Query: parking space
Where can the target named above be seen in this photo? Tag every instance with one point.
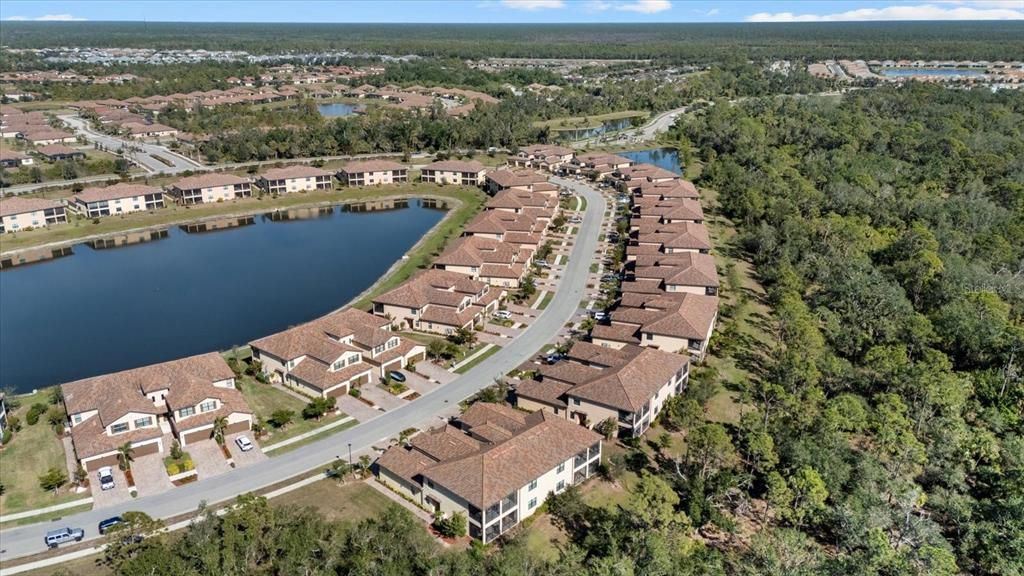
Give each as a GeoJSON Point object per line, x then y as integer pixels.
{"type": "Point", "coordinates": [418, 383]}
{"type": "Point", "coordinates": [116, 495]}
{"type": "Point", "coordinates": [357, 409]}
{"type": "Point", "coordinates": [150, 475]}
{"type": "Point", "coordinates": [434, 372]}
{"type": "Point", "coordinates": [208, 458]}
{"type": "Point", "coordinates": [381, 397]}
{"type": "Point", "coordinates": [241, 458]}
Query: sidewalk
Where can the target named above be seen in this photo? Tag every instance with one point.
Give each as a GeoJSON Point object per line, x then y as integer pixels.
{"type": "Point", "coordinates": [309, 434]}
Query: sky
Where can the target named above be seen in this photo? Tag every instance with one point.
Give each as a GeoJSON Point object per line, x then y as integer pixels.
{"type": "Point", "coordinates": [528, 11]}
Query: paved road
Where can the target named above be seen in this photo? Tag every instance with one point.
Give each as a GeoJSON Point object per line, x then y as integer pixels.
{"type": "Point", "coordinates": [27, 540]}
{"type": "Point", "coordinates": [660, 123]}
{"type": "Point", "coordinates": [143, 154]}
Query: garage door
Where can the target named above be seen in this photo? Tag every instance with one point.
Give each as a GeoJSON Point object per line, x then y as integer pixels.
{"type": "Point", "coordinates": [338, 392]}
{"type": "Point", "coordinates": [98, 463]}
{"type": "Point", "coordinates": [237, 427]}
{"type": "Point", "coordinates": [198, 435]}
{"type": "Point", "coordinates": [151, 448]}
{"type": "Point", "coordinates": [393, 365]}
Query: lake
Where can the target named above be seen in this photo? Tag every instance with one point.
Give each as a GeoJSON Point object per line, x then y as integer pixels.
{"type": "Point", "coordinates": [336, 109]}
{"type": "Point", "coordinates": [667, 158]}
{"type": "Point", "coordinates": [584, 133]}
{"type": "Point", "coordinates": [177, 293]}
{"type": "Point", "coordinates": [944, 72]}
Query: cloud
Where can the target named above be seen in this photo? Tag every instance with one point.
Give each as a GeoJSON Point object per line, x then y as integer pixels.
{"type": "Point", "coordinates": [533, 4]}
{"type": "Point", "coordinates": [917, 12]}
{"type": "Point", "coordinates": [646, 6]}
{"type": "Point", "coordinates": [598, 5]}
{"type": "Point", "coordinates": [48, 18]}
{"type": "Point", "coordinates": [712, 12]}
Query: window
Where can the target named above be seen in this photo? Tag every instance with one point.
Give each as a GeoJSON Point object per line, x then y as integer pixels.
{"type": "Point", "coordinates": [77, 419]}
{"type": "Point", "coordinates": [561, 467]}
{"type": "Point", "coordinates": [143, 422]}
{"type": "Point", "coordinates": [208, 406]}
{"type": "Point", "coordinates": [533, 486]}
{"type": "Point", "coordinates": [560, 486]}
{"type": "Point", "coordinates": [118, 428]}
{"type": "Point", "coordinates": [649, 336]}
{"type": "Point", "coordinates": [576, 401]}
{"type": "Point", "coordinates": [185, 412]}
{"type": "Point", "coordinates": [531, 504]}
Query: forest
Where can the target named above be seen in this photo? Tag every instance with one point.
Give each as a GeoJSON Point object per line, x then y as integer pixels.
{"type": "Point", "coordinates": [248, 133]}
{"type": "Point", "coordinates": [687, 43]}
{"type": "Point", "coordinates": [888, 230]}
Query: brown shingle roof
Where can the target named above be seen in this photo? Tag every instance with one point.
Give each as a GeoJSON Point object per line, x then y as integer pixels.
{"type": "Point", "coordinates": [363, 166]}
{"type": "Point", "coordinates": [455, 166]}
{"type": "Point", "coordinates": [291, 172]}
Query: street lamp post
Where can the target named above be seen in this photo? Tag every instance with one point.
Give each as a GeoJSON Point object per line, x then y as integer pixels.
{"type": "Point", "coordinates": [349, 453]}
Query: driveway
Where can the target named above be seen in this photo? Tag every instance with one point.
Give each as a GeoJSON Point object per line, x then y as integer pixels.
{"type": "Point", "coordinates": [208, 458]}
{"type": "Point", "coordinates": [116, 495]}
{"type": "Point", "coordinates": [382, 398]}
{"type": "Point", "coordinates": [418, 383]}
{"type": "Point", "coordinates": [356, 409]}
{"type": "Point", "coordinates": [150, 475]}
{"type": "Point", "coordinates": [434, 372]}
{"type": "Point", "coordinates": [243, 459]}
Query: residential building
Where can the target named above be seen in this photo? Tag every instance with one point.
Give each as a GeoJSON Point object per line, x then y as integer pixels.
{"type": "Point", "coordinates": [597, 165]}
{"type": "Point", "coordinates": [527, 180]}
{"type": "Point", "coordinates": [209, 188]}
{"type": "Point", "coordinates": [466, 173]}
{"type": "Point", "coordinates": [150, 406]}
{"type": "Point", "coordinates": [502, 224]}
{"type": "Point", "coordinates": [691, 272]}
{"type": "Point", "coordinates": [595, 383]}
{"type": "Point", "coordinates": [120, 198]}
{"type": "Point", "coordinates": [139, 130]}
{"type": "Point", "coordinates": [543, 156]}
{"type": "Point", "coordinates": [335, 353]}
{"type": "Point", "coordinates": [46, 135]}
{"type": "Point", "coordinates": [496, 468]}
{"type": "Point", "coordinates": [669, 239]}
{"type": "Point", "coordinates": [17, 213]}
{"type": "Point", "coordinates": [60, 152]}
{"type": "Point", "coordinates": [373, 172]}
{"type": "Point", "coordinates": [678, 322]}
{"type": "Point", "coordinates": [438, 301]}
{"type": "Point", "coordinates": [295, 179]}
{"type": "Point", "coordinates": [486, 259]}
{"type": "Point", "coordinates": [12, 159]}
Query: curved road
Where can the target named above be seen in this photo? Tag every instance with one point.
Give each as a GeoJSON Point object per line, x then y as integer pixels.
{"type": "Point", "coordinates": [27, 540]}
{"type": "Point", "coordinates": [145, 154]}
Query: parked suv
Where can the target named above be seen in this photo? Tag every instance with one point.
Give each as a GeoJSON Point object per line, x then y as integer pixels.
{"type": "Point", "coordinates": [106, 475]}
{"type": "Point", "coordinates": [109, 523]}
{"type": "Point", "coordinates": [55, 538]}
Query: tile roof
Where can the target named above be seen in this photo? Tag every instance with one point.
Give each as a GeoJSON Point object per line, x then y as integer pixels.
{"type": "Point", "coordinates": [291, 172]}
{"type": "Point", "coordinates": [55, 149]}
{"type": "Point", "coordinates": [208, 180]}
{"type": "Point", "coordinates": [122, 190]}
{"type": "Point", "coordinates": [456, 166]}
{"type": "Point", "coordinates": [362, 166]}
{"type": "Point", "coordinates": [19, 205]}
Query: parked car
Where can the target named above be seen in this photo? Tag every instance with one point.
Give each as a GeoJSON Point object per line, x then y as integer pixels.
{"type": "Point", "coordinates": [609, 278]}
{"type": "Point", "coordinates": [553, 358]}
{"type": "Point", "coordinates": [60, 536]}
{"type": "Point", "coordinates": [106, 525]}
{"type": "Point", "coordinates": [542, 263]}
{"type": "Point", "coordinates": [599, 315]}
{"type": "Point", "coordinates": [503, 315]}
{"type": "Point", "coordinates": [243, 443]}
{"type": "Point", "coordinates": [397, 376]}
{"type": "Point", "coordinates": [106, 475]}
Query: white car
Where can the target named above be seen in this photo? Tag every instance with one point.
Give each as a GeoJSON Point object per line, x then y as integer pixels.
{"type": "Point", "coordinates": [243, 443]}
{"type": "Point", "coordinates": [106, 475]}
{"type": "Point", "coordinates": [503, 315]}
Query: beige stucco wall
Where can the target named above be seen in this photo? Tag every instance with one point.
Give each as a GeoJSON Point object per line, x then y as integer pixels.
{"type": "Point", "coordinates": [16, 222]}
{"type": "Point", "coordinates": [130, 419]}
{"type": "Point", "coordinates": [398, 314]}
{"type": "Point", "coordinates": [608, 343]}
{"type": "Point", "coordinates": [681, 288]}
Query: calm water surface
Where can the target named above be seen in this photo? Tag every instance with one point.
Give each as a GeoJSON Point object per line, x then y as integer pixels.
{"type": "Point", "coordinates": [103, 310]}
{"type": "Point", "coordinates": [667, 158]}
{"type": "Point", "coordinates": [336, 109]}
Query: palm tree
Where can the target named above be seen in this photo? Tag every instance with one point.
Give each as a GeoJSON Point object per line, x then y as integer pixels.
{"type": "Point", "coordinates": [259, 428]}
{"type": "Point", "coordinates": [219, 426]}
{"type": "Point", "coordinates": [125, 456]}
{"type": "Point", "coordinates": [364, 465]}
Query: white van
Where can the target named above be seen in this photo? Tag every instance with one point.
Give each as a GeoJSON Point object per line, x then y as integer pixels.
{"type": "Point", "coordinates": [55, 538]}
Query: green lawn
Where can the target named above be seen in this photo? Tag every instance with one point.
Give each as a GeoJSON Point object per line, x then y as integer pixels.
{"type": "Point", "coordinates": [548, 296]}
{"type": "Point", "coordinates": [469, 365]}
{"type": "Point", "coordinates": [349, 502]}
{"type": "Point", "coordinates": [264, 399]}
{"type": "Point", "coordinates": [49, 516]}
{"type": "Point", "coordinates": [543, 537]}
{"type": "Point", "coordinates": [31, 452]}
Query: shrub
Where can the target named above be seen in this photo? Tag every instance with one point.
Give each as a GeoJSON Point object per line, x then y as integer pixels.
{"type": "Point", "coordinates": [6, 438]}
{"type": "Point", "coordinates": [355, 393]}
{"type": "Point", "coordinates": [32, 416]}
{"type": "Point", "coordinates": [13, 423]}
{"type": "Point", "coordinates": [454, 526]}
